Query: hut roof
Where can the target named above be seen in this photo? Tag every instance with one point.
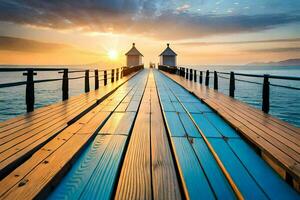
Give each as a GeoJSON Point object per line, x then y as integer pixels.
{"type": "Point", "coordinates": [168, 52]}
{"type": "Point", "coordinates": [133, 51]}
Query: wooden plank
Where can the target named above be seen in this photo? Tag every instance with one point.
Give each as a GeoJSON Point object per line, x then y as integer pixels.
{"type": "Point", "coordinates": [164, 177]}
{"type": "Point", "coordinates": [206, 127]}
{"type": "Point", "coordinates": [174, 124]}
{"type": "Point", "coordinates": [204, 92]}
{"type": "Point", "coordinates": [191, 171]}
{"type": "Point", "coordinates": [167, 106]}
{"type": "Point", "coordinates": [100, 185]}
{"type": "Point", "coordinates": [40, 178]}
{"type": "Point", "coordinates": [73, 184]}
{"type": "Point", "coordinates": [33, 123]}
{"type": "Point", "coordinates": [221, 125]}
{"type": "Point", "coordinates": [82, 131]}
{"type": "Point", "coordinates": [188, 125]}
{"type": "Point", "coordinates": [261, 126]}
{"type": "Point", "coordinates": [13, 138]}
{"type": "Point", "coordinates": [119, 123]}
{"type": "Point", "coordinates": [203, 108]}
{"type": "Point", "coordinates": [24, 149]}
{"type": "Point", "coordinates": [216, 178]}
{"type": "Point", "coordinates": [289, 148]}
{"type": "Point", "coordinates": [135, 177]}
{"type": "Point", "coordinates": [44, 111]}
{"type": "Point", "coordinates": [273, 185]}
{"type": "Point", "coordinates": [19, 173]}
{"type": "Point", "coordinates": [245, 182]}
{"type": "Point", "coordinates": [95, 176]}
{"type": "Point", "coordinates": [51, 129]}
{"type": "Point", "coordinates": [289, 132]}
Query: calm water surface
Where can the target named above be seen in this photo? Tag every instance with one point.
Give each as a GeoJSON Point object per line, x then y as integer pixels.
{"type": "Point", "coordinates": [285, 103]}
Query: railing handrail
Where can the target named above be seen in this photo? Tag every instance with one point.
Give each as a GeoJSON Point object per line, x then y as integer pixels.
{"type": "Point", "coordinates": [31, 72]}
{"type": "Point", "coordinates": [20, 69]}
{"type": "Point", "coordinates": [294, 78]}
{"type": "Point", "coordinates": [191, 74]}
{"type": "Point", "coordinates": [61, 70]}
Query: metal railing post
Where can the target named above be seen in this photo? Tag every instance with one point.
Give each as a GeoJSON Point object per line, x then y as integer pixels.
{"type": "Point", "coordinates": [112, 75]}
{"type": "Point", "coordinates": [201, 77]}
{"type": "Point", "coordinates": [96, 79]}
{"type": "Point", "coordinates": [29, 90]}
{"type": "Point", "coordinates": [87, 81]}
{"type": "Point", "coordinates": [117, 74]}
{"type": "Point", "coordinates": [191, 74]}
{"type": "Point", "coordinates": [65, 85]}
{"type": "Point", "coordinates": [266, 94]}
{"type": "Point", "coordinates": [207, 78]}
{"type": "Point", "coordinates": [195, 75]}
{"type": "Point", "coordinates": [231, 84]}
{"type": "Point", "coordinates": [187, 73]}
{"type": "Point", "coordinates": [216, 84]}
{"type": "Point", "coordinates": [105, 77]}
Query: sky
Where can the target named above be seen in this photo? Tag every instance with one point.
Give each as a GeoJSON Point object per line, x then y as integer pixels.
{"type": "Point", "coordinates": [201, 32]}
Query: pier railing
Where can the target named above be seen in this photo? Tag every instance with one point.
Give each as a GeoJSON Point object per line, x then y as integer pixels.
{"type": "Point", "coordinates": [105, 75]}
{"type": "Point", "coordinates": [204, 78]}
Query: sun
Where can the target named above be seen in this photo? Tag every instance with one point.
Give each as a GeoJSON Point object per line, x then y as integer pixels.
{"type": "Point", "coordinates": [112, 54]}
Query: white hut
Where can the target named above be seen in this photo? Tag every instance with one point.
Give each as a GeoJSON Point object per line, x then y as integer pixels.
{"type": "Point", "coordinates": [168, 57]}
{"type": "Point", "coordinates": [134, 57]}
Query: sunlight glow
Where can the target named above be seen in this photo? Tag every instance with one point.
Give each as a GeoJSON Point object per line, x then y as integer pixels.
{"type": "Point", "coordinates": [112, 54]}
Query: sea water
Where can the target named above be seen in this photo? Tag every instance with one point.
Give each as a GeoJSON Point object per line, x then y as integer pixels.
{"type": "Point", "coordinates": [284, 103]}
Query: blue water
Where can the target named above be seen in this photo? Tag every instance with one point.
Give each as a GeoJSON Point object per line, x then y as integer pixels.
{"type": "Point", "coordinates": [285, 103]}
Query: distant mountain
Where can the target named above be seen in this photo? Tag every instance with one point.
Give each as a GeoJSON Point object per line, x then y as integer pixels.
{"type": "Point", "coordinates": [289, 62]}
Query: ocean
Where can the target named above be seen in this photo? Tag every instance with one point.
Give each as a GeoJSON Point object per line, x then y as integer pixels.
{"type": "Point", "coordinates": [284, 103]}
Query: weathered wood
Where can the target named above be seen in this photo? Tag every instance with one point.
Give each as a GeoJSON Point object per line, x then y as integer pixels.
{"type": "Point", "coordinates": [217, 180]}
{"type": "Point", "coordinates": [18, 144]}
{"type": "Point", "coordinates": [135, 177]}
{"type": "Point", "coordinates": [81, 132]}
{"type": "Point", "coordinates": [245, 182]}
{"type": "Point", "coordinates": [271, 184]}
{"type": "Point", "coordinates": [17, 175]}
{"type": "Point", "coordinates": [195, 182]}
{"type": "Point", "coordinates": [164, 178]}
{"type": "Point", "coordinates": [35, 182]}
{"type": "Point", "coordinates": [254, 126]}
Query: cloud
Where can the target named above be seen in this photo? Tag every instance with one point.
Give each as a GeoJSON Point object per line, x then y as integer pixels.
{"type": "Point", "coordinates": [239, 42]}
{"type": "Point", "coordinates": [276, 50]}
{"type": "Point", "coordinates": [25, 45]}
{"type": "Point", "coordinates": [183, 8]}
{"type": "Point", "coordinates": [156, 18]}
{"type": "Point", "coordinates": [33, 46]}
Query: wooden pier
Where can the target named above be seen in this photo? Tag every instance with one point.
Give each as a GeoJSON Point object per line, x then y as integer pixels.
{"type": "Point", "coordinates": [149, 134]}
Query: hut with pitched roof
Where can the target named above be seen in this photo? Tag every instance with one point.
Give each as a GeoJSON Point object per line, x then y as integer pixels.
{"type": "Point", "coordinates": [134, 57]}
{"type": "Point", "coordinates": [168, 57]}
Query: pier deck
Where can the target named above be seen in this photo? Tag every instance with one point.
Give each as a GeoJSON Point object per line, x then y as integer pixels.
{"type": "Point", "coordinates": [148, 137]}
